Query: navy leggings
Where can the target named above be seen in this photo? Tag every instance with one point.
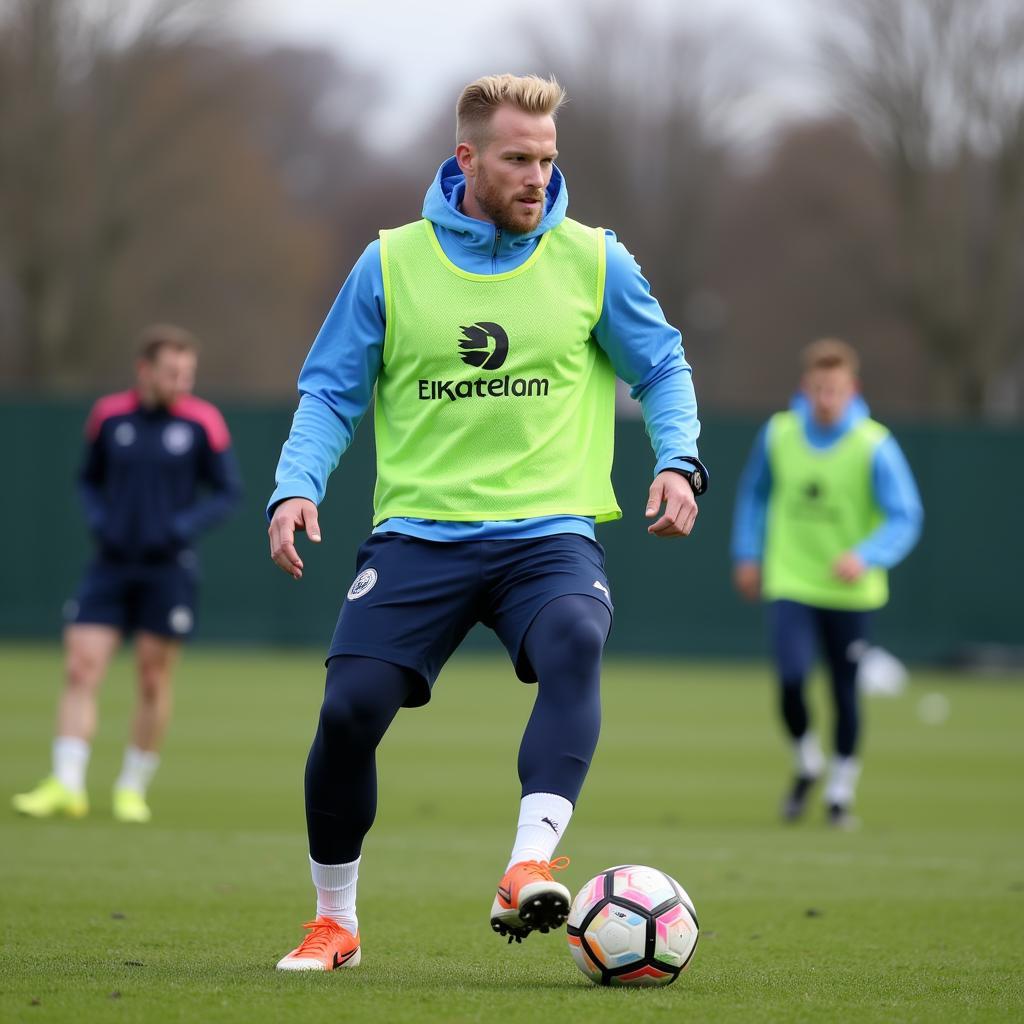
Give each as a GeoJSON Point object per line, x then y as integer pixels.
{"type": "Point", "coordinates": [363, 695]}
{"type": "Point", "coordinates": [797, 629]}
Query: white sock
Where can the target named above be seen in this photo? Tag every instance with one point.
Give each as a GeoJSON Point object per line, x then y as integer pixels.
{"type": "Point", "coordinates": [842, 781]}
{"type": "Point", "coordinates": [336, 892]}
{"type": "Point", "coordinates": [138, 769]}
{"type": "Point", "coordinates": [543, 819]}
{"type": "Point", "coordinates": [70, 759]}
{"type": "Point", "coordinates": [807, 755]}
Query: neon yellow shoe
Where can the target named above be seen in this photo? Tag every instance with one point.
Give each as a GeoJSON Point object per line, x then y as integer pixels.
{"type": "Point", "coordinates": [130, 806]}
{"type": "Point", "coordinates": [50, 798]}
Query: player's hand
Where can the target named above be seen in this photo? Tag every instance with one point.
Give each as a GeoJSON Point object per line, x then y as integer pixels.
{"type": "Point", "coordinates": [746, 577]}
{"type": "Point", "coordinates": [673, 491]}
{"type": "Point", "coordinates": [291, 515]}
{"type": "Point", "coordinates": [849, 567]}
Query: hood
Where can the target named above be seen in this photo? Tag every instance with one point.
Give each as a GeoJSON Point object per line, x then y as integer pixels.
{"type": "Point", "coordinates": [856, 410]}
{"type": "Point", "coordinates": [444, 197]}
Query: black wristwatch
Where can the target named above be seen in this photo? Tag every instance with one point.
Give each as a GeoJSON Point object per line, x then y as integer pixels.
{"type": "Point", "coordinates": [697, 477]}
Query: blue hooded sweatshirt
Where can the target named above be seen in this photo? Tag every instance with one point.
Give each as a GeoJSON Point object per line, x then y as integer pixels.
{"type": "Point", "coordinates": [336, 383]}
{"type": "Point", "coordinates": [891, 479]}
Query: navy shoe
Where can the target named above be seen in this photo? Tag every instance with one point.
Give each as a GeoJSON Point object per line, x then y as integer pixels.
{"type": "Point", "coordinates": [840, 817]}
{"type": "Point", "coordinates": [795, 803]}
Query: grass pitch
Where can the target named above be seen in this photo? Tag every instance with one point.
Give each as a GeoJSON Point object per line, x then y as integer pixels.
{"type": "Point", "coordinates": [916, 917]}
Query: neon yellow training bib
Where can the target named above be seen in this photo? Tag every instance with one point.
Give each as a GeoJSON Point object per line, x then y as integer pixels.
{"type": "Point", "coordinates": [822, 504]}
{"type": "Point", "coordinates": [494, 401]}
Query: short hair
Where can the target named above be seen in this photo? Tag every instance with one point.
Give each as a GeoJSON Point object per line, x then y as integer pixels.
{"type": "Point", "coordinates": [480, 99]}
{"type": "Point", "coordinates": [156, 337]}
{"type": "Point", "coordinates": [830, 354]}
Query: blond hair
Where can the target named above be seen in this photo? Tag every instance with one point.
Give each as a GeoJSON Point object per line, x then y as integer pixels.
{"type": "Point", "coordinates": [480, 99]}
{"type": "Point", "coordinates": [156, 337]}
{"type": "Point", "coordinates": [830, 354]}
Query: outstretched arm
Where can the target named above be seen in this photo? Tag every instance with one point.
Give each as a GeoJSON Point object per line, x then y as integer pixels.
{"type": "Point", "coordinates": [647, 353]}
{"type": "Point", "coordinates": [897, 495]}
{"type": "Point", "coordinates": [749, 519]}
{"type": "Point", "coordinates": [335, 385]}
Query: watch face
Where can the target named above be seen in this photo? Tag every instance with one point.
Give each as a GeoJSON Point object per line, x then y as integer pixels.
{"type": "Point", "coordinates": [697, 481]}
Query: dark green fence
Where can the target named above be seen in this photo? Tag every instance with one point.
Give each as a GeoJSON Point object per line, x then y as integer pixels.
{"type": "Point", "coordinates": [959, 588]}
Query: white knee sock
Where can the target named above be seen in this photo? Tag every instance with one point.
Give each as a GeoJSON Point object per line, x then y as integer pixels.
{"type": "Point", "coordinates": [138, 769]}
{"type": "Point", "coordinates": [336, 892]}
{"type": "Point", "coordinates": [807, 756]}
{"type": "Point", "coordinates": [70, 759]}
{"type": "Point", "coordinates": [842, 781]}
{"type": "Point", "coordinates": [543, 819]}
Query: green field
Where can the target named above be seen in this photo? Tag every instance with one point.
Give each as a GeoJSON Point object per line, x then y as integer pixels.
{"type": "Point", "coordinates": [915, 917]}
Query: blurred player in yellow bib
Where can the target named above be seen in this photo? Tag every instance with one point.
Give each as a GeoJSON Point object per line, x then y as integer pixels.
{"type": "Point", "coordinates": [827, 504]}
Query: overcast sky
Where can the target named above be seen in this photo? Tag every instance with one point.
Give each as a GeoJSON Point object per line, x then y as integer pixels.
{"type": "Point", "coordinates": [427, 51]}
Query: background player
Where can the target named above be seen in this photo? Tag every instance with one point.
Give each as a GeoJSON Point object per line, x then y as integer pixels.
{"type": "Point", "coordinates": [158, 471]}
{"type": "Point", "coordinates": [826, 504]}
{"type": "Point", "coordinates": [492, 330]}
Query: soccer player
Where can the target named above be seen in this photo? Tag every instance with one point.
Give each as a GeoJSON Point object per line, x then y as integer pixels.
{"type": "Point", "coordinates": [491, 332]}
{"type": "Point", "coordinates": [158, 470]}
{"type": "Point", "coordinates": [826, 504]}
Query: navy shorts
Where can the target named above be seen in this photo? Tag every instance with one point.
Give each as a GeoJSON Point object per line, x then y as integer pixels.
{"type": "Point", "coordinates": [413, 601]}
{"type": "Point", "coordinates": [798, 630]}
{"type": "Point", "coordinates": [157, 597]}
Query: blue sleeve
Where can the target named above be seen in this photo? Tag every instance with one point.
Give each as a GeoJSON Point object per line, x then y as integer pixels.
{"type": "Point", "coordinates": [897, 496]}
{"type": "Point", "coordinates": [218, 472]}
{"type": "Point", "coordinates": [647, 353]}
{"type": "Point", "coordinates": [335, 384]}
{"type": "Point", "coordinates": [751, 509]}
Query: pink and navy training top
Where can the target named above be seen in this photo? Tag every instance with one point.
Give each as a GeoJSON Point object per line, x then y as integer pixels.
{"type": "Point", "coordinates": [154, 478]}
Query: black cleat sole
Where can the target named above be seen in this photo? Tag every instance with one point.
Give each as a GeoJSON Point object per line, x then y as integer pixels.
{"type": "Point", "coordinates": [514, 934]}
{"type": "Point", "coordinates": [540, 913]}
{"type": "Point", "coordinates": [545, 911]}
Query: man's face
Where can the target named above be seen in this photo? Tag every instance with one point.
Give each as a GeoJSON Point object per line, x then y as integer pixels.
{"type": "Point", "coordinates": [829, 392]}
{"type": "Point", "coordinates": [168, 377]}
{"type": "Point", "coordinates": [507, 177]}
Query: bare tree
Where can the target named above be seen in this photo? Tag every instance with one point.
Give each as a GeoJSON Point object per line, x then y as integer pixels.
{"type": "Point", "coordinates": [71, 81]}
{"type": "Point", "coordinates": [32, 156]}
{"type": "Point", "coordinates": [649, 136]}
{"type": "Point", "coordinates": [938, 88]}
{"type": "Point", "coordinates": [135, 185]}
{"type": "Point", "coordinates": [807, 247]}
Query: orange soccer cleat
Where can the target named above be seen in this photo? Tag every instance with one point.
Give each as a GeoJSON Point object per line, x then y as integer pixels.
{"type": "Point", "coordinates": [529, 899]}
{"type": "Point", "coordinates": [327, 947]}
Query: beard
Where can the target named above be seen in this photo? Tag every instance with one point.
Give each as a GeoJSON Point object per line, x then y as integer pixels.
{"type": "Point", "coordinates": [506, 213]}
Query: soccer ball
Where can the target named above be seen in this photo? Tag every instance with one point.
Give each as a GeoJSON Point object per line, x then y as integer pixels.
{"type": "Point", "coordinates": [632, 925]}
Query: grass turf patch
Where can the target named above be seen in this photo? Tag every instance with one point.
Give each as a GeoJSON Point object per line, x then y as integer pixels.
{"type": "Point", "coordinates": [915, 917]}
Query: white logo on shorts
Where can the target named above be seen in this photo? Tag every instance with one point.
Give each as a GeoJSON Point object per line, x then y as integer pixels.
{"type": "Point", "coordinates": [362, 584]}
{"type": "Point", "coordinates": [598, 585]}
{"type": "Point", "coordinates": [124, 434]}
{"type": "Point", "coordinates": [177, 438]}
{"type": "Point", "coordinates": [180, 619]}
